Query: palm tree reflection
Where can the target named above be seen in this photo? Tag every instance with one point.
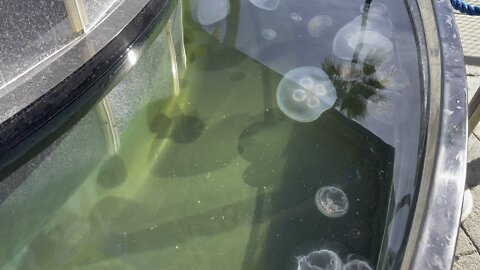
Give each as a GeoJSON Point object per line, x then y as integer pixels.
{"type": "Point", "coordinates": [357, 82]}
{"type": "Point", "coordinates": [354, 84]}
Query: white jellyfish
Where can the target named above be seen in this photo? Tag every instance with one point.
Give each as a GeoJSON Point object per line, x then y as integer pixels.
{"type": "Point", "coordinates": [296, 17]}
{"type": "Point", "coordinates": [331, 201]}
{"type": "Point", "coordinates": [391, 76]}
{"type": "Point", "coordinates": [305, 93]}
{"type": "Point", "coordinates": [369, 43]}
{"type": "Point", "coordinates": [269, 34]}
{"type": "Point", "coordinates": [357, 265]}
{"type": "Point", "coordinates": [388, 107]}
{"type": "Point", "coordinates": [210, 12]}
{"type": "Point", "coordinates": [318, 24]}
{"type": "Point", "coordinates": [217, 30]}
{"type": "Point", "coordinates": [264, 4]}
{"type": "Point", "coordinates": [320, 260]}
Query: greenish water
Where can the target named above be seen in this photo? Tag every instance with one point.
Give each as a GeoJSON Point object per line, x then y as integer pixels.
{"type": "Point", "coordinates": [217, 177]}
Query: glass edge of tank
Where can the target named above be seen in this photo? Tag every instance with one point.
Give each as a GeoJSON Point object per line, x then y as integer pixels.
{"type": "Point", "coordinates": [64, 103]}
{"type": "Point", "coordinates": [436, 218]}
{"type": "Point", "coordinates": [389, 259]}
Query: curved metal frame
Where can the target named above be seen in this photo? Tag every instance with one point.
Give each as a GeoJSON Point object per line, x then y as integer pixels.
{"type": "Point", "coordinates": [76, 79]}
{"type": "Point", "coordinates": [432, 239]}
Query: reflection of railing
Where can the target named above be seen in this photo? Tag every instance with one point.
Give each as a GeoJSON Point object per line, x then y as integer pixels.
{"type": "Point", "coordinates": [78, 22]}
{"type": "Point", "coordinates": [173, 60]}
{"type": "Point", "coordinates": [77, 15]}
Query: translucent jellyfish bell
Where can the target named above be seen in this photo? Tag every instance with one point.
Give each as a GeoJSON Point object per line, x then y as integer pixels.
{"type": "Point", "coordinates": [210, 12]}
{"type": "Point", "coordinates": [269, 34]}
{"type": "Point", "coordinates": [371, 42]}
{"type": "Point", "coordinates": [391, 76]}
{"type": "Point", "coordinates": [357, 265]}
{"type": "Point", "coordinates": [318, 24]}
{"type": "Point", "coordinates": [296, 17]}
{"type": "Point", "coordinates": [331, 201]}
{"type": "Point", "coordinates": [388, 107]}
{"type": "Point", "coordinates": [320, 260]}
{"type": "Point", "coordinates": [264, 4]}
{"type": "Point", "coordinates": [305, 93]}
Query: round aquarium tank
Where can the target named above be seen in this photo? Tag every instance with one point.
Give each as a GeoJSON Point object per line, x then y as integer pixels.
{"type": "Point", "coordinates": [259, 135]}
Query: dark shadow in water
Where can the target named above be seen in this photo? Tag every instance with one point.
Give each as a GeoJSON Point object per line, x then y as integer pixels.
{"type": "Point", "coordinates": [112, 217]}
{"type": "Point", "coordinates": [286, 221]}
{"type": "Point", "coordinates": [265, 174]}
{"type": "Point", "coordinates": [237, 76]}
{"type": "Point", "coordinates": [55, 248]}
{"type": "Point", "coordinates": [159, 125]}
{"type": "Point", "coordinates": [115, 214]}
{"type": "Point", "coordinates": [214, 149]}
{"type": "Point", "coordinates": [261, 138]}
{"type": "Point", "coordinates": [325, 152]}
{"type": "Point", "coordinates": [112, 172]}
{"type": "Point", "coordinates": [181, 129]}
{"type": "Point", "coordinates": [217, 56]}
{"type": "Point", "coordinates": [167, 106]}
{"type": "Point", "coordinates": [261, 144]}
{"type": "Point", "coordinates": [187, 129]}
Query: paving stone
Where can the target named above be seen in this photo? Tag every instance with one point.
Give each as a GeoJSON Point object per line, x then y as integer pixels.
{"type": "Point", "coordinates": [473, 148]}
{"type": "Point", "coordinates": [473, 82]}
{"type": "Point", "coordinates": [473, 70]}
{"type": "Point", "coordinates": [470, 36]}
{"type": "Point", "coordinates": [467, 262]}
{"type": "Point", "coordinates": [471, 224]}
{"type": "Point", "coordinates": [464, 245]}
{"type": "Point", "coordinates": [473, 159]}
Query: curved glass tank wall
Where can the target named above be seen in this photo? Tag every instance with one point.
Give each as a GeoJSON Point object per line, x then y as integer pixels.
{"type": "Point", "coordinates": [258, 134]}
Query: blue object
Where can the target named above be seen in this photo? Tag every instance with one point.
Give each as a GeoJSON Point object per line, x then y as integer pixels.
{"type": "Point", "coordinates": [466, 8]}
